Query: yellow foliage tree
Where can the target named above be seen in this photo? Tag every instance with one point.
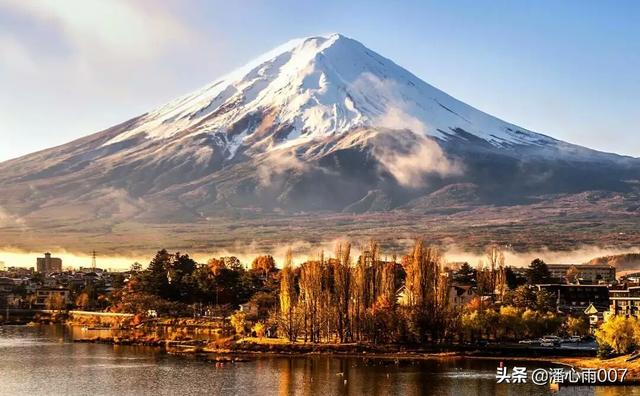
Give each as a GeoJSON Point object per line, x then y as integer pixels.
{"type": "Point", "coordinates": [620, 333]}
{"type": "Point", "coordinates": [288, 298]}
{"type": "Point", "coordinates": [259, 329]}
{"type": "Point", "coordinates": [239, 322]}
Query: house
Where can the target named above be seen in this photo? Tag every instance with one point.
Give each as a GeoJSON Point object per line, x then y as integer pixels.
{"type": "Point", "coordinates": [596, 317]}
{"type": "Point", "coordinates": [250, 308]}
{"type": "Point", "coordinates": [461, 295]}
{"type": "Point", "coordinates": [458, 295]}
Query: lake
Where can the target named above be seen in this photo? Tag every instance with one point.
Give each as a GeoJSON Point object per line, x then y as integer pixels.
{"type": "Point", "coordinates": [43, 360]}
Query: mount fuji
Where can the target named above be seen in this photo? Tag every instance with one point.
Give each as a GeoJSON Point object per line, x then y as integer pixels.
{"type": "Point", "coordinates": [317, 125]}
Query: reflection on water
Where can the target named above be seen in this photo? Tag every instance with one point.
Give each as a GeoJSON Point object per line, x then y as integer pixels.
{"type": "Point", "coordinates": [161, 332]}
{"type": "Point", "coordinates": [42, 360]}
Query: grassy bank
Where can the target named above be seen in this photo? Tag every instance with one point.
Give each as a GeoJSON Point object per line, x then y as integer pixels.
{"type": "Point", "coordinates": [619, 362]}
{"type": "Point", "coordinates": [219, 342]}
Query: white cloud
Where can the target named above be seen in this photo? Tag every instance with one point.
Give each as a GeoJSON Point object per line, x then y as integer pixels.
{"type": "Point", "coordinates": [418, 158]}
{"type": "Point", "coordinates": [101, 27]}
{"type": "Point", "coordinates": [9, 220]}
{"type": "Point", "coordinates": [278, 163]}
{"type": "Point", "coordinates": [408, 158]}
{"type": "Point", "coordinates": [72, 67]}
{"type": "Point", "coordinates": [15, 56]}
{"type": "Point", "coordinates": [396, 118]}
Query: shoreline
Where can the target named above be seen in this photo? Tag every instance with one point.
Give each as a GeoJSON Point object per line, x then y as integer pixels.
{"type": "Point", "coordinates": [233, 350]}
{"type": "Point", "coordinates": [281, 348]}
{"type": "Point", "coordinates": [228, 348]}
{"type": "Point", "coordinates": [221, 354]}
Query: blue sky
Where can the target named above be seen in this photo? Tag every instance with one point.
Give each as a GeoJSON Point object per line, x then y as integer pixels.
{"type": "Point", "coordinates": [569, 69]}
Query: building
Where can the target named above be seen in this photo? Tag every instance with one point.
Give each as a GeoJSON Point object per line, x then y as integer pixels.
{"type": "Point", "coordinates": [631, 277]}
{"type": "Point", "coordinates": [20, 272]}
{"type": "Point", "coordinates": [6, 285]}
{"type": "Point", "coordinates": [48, 264]}
{"type": "Point", "coordinates": [594, 273]}
{"type": "Point", "coordinates": [577, 298]}
{"type": "Point", "coordinates": [624, 300]}
{"type": "Point", "coordinates": [46, 296]}
{"type": "Point", "coordinates": [596, 317]}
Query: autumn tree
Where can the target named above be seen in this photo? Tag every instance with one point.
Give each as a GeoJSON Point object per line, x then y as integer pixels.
{"type": "Point", "coordinates": [239, 322]}
{"type": "Point", "coordinates": [427, 291]}
{"type": "Point", "coordinates": [524, 297]}
{"type": "Point", "coordinates": [498, 280]}
{"type": "Point", "coordinates": [576, 326]}
{"type": "Point", "coordinates": [82, 300]}
{"type": "Point", "coordinates": [363, 290]}
{"type": "Point", "coordinates": [216, 265]}
{"type": "Point", "coordinates": [485, 280]}
{"type": "Point", "coordinates": [310, 298]}
{"type": "Point", "coordinates": [55, 301]}
{"type": "Point", "coordinates": [572, 274]}
{"type": "Point", "coordinates": [288, 298]}
{"type": "Point", "coordinates": [618, 333]}
{"type": "Point", "coordinates": [342, 288]}
{"type": "Point", "coordinates": [545, 301]}
{"type": "Point", "coordinates": [389, 281]}
{"type": "Point", "coordinates": [264, 265]}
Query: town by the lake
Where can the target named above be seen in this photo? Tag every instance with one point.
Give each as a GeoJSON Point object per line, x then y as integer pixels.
{"type": "Point", "coordinates": [412, 310]}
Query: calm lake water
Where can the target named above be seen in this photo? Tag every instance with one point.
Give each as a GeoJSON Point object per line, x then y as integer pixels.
{"type": "Point", "coordinates": [43, 361]}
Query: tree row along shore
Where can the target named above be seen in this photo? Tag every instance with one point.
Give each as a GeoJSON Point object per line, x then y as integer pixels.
{"type": "Point", "coordinates": [339, 299]}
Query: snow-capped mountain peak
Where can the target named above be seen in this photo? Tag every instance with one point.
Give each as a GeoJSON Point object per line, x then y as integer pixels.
{"type": "Point", "coordinates": [317, 124]}
{"type": "Point", "coordinates": [316, 87]}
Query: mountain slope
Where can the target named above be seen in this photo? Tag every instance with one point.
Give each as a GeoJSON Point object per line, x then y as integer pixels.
{"type": "Point", "coordinates": [318, 124]}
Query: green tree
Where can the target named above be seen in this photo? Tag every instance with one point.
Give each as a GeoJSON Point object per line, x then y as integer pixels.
{"type": "Point", "coordinates": [545, 301]}
{"type": "Point", "coordinates": [180, 275]}
{"type": "Point", "coordinates": [538, 272]}
{"type": "Point", "coordinates": [155, 281]}
{"type": "Point", "coordinates": [136, 267]}
{"type": "Point", "coordinates": [512, 278]}
{"type": "Point", "coordinates": [465, 275]}
{"type": "Point", "coordinates": [171, 277]}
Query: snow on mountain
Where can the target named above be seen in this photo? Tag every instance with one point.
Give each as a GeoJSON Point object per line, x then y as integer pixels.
{"type": "Point", "coordinates": [316, 87]}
